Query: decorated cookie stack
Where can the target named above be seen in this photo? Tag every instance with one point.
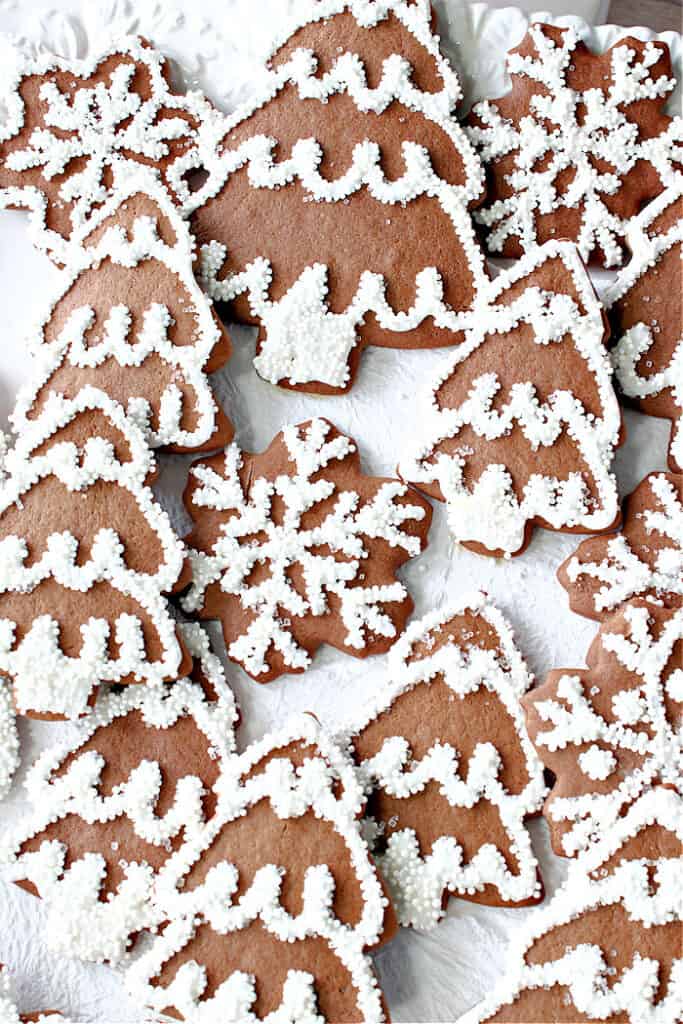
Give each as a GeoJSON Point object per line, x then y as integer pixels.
{"type": "Point", "coordinates": [345, 206]}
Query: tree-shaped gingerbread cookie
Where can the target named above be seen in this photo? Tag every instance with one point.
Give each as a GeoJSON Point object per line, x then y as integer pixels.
{"type": "Point", "coordinates": [448, 767]}
{"type": "Point", "coordinates": [86, 557]}
{"type": "Point", "coordinates": [130, 319]}
{"type": "Point", "coordinates": [109, 807]}
{"type": "Point", "coordinates": [304, 226]}
{"type": "Point", "coordinates": [271, 911]}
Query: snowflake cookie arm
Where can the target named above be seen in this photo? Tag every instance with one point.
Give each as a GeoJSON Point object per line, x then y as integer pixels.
{"type": "Point", "coordinates": [611, 731]}
{"type": "Point", "coordinates": [278, 897]}
{"type": "Point", "coordinates": [644, 560]}
{"type": "Point", "coordinates": [109, 806]}
{"type": "Point", "coordinates": [73, 126]}
{"type": "Point", "coordinates": [296, 547]}
{"type": "Point", "coordinates": [565, 961]}
{"type": "Point", "coordinates": [449, 770]}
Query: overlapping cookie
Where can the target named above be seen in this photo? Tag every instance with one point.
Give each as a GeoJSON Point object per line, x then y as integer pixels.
{"type": "Point", "coordinates": [608, 946]}
{"type": "Point", "coordinates": [523, 420]}
{"type": "Point", "coordinates": [110, 807]}
{"type": "Point", "coordinates": [450, 773]}
{"type": "Point", "coordinates": [611, 731]}
{"type": "Point", "coordinates": [272, 909]}
{"type": "Point", "coordinates": [644, 560]}
{"type": "Point", "coordinates": [646, 310]}
{"type": "Point", "coordinates": [129, 318]}
{"type": "Point", "coordinates": [296, 547]}
{"type": "Point", "coordinates": [75, 127]}
{"type": "Point", "coordinates": [8, 1010]}
{"type": "Point", "coordinates": [579, 145]}
{"type": "Point", "coordinates": [401, 168]}
{"type": "Point", "coordinates": [86, 557]}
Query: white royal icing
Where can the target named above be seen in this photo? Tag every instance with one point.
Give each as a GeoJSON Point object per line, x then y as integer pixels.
{"type": "Point", "coordinates": [641, 337]}
{"type": "Point", "coordinates": [78, 922]}
{"type": "Point", "coordinates": [650, 892]}
{"type": "Point", "coordinates": [344, 531]}
{"type": "Point", "coordinates": [116, 340]}
{"type": "Point", "coordinates": [45, 679]}
{"type": "Point", "coordinates": [639, 724]}
{"type": "Point", "coordinates": [9, 738]}
{"type": "Point", "coordinates": [8, 1010]}
{"type": "Point", "coordinates": [108, 128]}
{"type": "Point", "coordinates": [304, 340]}
{"type": "Point", "coordinates": [292, 792]}
{"type": "Point", "coordinates": [418, 882]}
{"type": "Point", "coordinates": [564, 129]}
{"type": "Point", "coordinates": [489, 512]}
{"type": "Point", "coordinates": [622, 573]}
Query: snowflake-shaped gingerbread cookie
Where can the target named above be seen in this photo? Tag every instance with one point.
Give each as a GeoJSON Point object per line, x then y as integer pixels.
{"type": "Point", "coordinates": [271, 911]}
{"type": "Point", "coordinates": [130, 319]}
{"type": "Point", "coordinates": [450, 773]}
{"type": "Point", "coordinates": [86, 557]}
{"type": "Point", "coordinates": [645, 305]}
{"type": "Point", "coordinates": [296, 547]}
{"type": "Point", "coordinates": [109, 807]}
{"type": "Point", "coordinates": [610, 732]}
{"type": "Point", "coordinates": [579, 145]}
{"type": "Point", "coordinates": [523, 421]}
{"type": "Point", "coordinates": [401, 168]}
{"type": "Point", "coordinates": [75, 127]}
{"type": "Point", "coordinates": [608, 945]}
{"type": "Point", "coordinates": [645, 559]}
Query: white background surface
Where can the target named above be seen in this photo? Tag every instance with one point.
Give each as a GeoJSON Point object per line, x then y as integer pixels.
{"type": "Point", "coordinates": [431, 977]}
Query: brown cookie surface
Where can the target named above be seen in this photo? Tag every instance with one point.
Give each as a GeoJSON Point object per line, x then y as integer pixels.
{"type": "Point", "coordinates": [522, 421]}
{"type": "Point", "coordinates": [132, 321]}
{"type": "Point", "coordinates": [402, 167]}
{"type": "Point", "coordinates": [76, 127]}
{"type": "Point", "coordinates": [645, 306]}
{"type": "Point", "coordinates": [449, 770]}
{"type": "Point", "coordinates": [610, 731]}
{"type": "Point", "coordinates": [295, 547]}
{"type": "Point", "coordinates": [607, 947]}
{"type": "Point", "coordinates": [644, 560]}
{"type": "Point", "coordinates": [275, 907]}
{"type": "Point", "coordinates": [109, 809]}
{"type": "Point", "coordinates": [86, 557]}
{"type": "Point", "coordinates": [579, 144]}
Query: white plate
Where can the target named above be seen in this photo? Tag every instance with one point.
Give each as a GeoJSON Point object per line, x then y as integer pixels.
{"type": "Point", "coordinates": [426, 978]}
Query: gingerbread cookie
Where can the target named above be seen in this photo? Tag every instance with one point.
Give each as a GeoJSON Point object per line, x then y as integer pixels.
{"type": "Point", "coordinates": [75, 128]}
{"type": "Point", "coordinates": [296, 547]}
{"type": "Point", "coordinates": [523, 419]}
{"type": "Point", "coordinates": [109, 808]}
{"type": "Point", "coordinates": [644, 560]}
{"type": "Point", "coordinates": [646, 311]}
{"type": "Point", "coordinates": [132, 320]}
{"type": "Point", "coordinates": [401, 168]}
{"type": "Point", "coordinates": [8, 1010]}
{"type": "Point", "coordinates": [608, 946]}
{"type": "Point", "coordinates": [272, 910]}
{"type": "Point", "coordinates": [578, 146]}
{"type": "Point", "coordinates": [86, 557]}
{"type": "Point", "coordinates": [614, 729]}
{"type": "Point", "coordinates": [450, 773]}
